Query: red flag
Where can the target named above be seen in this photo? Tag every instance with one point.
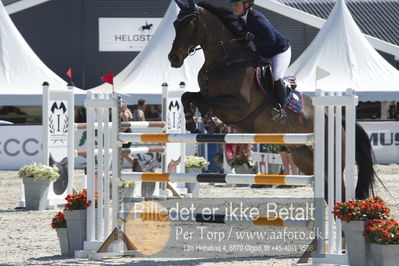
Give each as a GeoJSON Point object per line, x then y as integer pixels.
{"type": "Point", "coordinates": [109, 78]}
{"type": "Point", "coordinates": [69, 73]}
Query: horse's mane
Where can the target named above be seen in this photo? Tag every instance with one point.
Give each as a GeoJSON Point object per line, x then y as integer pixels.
{"type": "Point", "coordinates": [226, 17]}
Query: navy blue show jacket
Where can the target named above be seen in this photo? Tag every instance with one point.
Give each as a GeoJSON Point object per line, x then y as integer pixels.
{"type": "Point", "coordinates": [267, 40]}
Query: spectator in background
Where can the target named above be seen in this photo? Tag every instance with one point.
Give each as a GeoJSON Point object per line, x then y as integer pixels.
{"type": "Point", "coordinates": [126, 116]}
{"type": "Point", "coordinates": [289, 167]}
{"type": "Point", "coordinates": [393, 111]}
{"type": "Point", "coordinates": [138, 113]}
{"type": "Point", "coordinates": [81, 115]}
{"type": "Point", "coordinates": [147, 188]}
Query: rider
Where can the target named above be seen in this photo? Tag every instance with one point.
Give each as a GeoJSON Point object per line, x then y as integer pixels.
{"type": "Point", "coordinates": [269, 43]}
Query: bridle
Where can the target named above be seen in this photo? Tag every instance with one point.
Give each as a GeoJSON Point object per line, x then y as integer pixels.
{"type": "Point", "coordinates": [193, 46]}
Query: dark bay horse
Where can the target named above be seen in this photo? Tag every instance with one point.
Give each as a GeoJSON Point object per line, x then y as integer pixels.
{"type": "Point", "coordinates": [229, 89]}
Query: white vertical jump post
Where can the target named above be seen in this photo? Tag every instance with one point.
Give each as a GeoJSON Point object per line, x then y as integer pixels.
{"type": "Point", "coordinates": [162, 187]}
{"type": "Point", "coordinates": [104, 154]}
{"type": "Point", "coordinates": [98, 175]}
{"type": "Point", "coordinates": [334, 102]}
{"type": "Point", "coordinates": [58, 117]}
{"type": "Point", "coordinates": [173, 115]}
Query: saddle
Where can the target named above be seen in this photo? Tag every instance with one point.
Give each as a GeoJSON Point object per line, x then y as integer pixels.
{"type": "Point", "coordinates": [264, 78]}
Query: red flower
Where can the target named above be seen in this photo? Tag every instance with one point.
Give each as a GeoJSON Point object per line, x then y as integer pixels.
{"type": "Point", "coordinates": [77, 201]}
{"type": "Point", "coordinates": [383, 231]}
{"type": "Point", "coordinates": [361, 209]}
{"type": "Point", "coordinates": [58, 221]}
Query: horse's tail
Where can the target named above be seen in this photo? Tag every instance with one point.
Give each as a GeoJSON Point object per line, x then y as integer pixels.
{"type": "Point", "coordinates": [364, 159]}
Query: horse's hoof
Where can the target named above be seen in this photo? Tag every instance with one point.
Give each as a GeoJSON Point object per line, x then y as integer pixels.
{"type": "Point", "coordinates": [195, 131]}
{"type": "Point", "coordinates": [191, 127]}
{"type": "Point", "coordinates": [212, 128]}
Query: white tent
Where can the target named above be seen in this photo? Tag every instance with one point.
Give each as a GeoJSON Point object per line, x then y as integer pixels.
{"type": "Point", "coordinates": [143, 77]}
{"type": "Point", "coordinates": [343, 51]}
{"type": "Point", "coordinates": [21, 71]}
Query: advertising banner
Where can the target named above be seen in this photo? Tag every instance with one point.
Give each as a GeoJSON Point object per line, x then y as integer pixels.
{"type": "Point", "coordinates": [20, 145]}
{"type": "Point", "coordinates": [126, 34]}
{"type": "Point", "coordinates": [384, 138]}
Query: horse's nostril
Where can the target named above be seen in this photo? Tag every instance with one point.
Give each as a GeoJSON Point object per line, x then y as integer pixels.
{"type": "Point", "coordinates": [173, 58]}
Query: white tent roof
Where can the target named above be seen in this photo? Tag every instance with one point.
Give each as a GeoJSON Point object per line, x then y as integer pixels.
{"type": "Point", "coordinates": [22, 73]}
{"type": "Point", "coordinates": [143, 77]}
{"type": "Point", "coordinates": [343, 51]}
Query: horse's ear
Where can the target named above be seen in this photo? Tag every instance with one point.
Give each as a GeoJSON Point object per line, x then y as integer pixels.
{"type": "Point", "coordinates": [192, 6]}
{"type": "Point", "coordinates": [181, 4]}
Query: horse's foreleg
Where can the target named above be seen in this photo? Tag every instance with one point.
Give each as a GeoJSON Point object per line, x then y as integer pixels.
{"type": "Point", "coordinates": [206, 113]}
{"type": "Point", "coordinates": [189, 100]}
{"type": "Point", "coordinates": [209, 124]}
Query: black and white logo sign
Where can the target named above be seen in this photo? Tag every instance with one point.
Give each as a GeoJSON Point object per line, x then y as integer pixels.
{"type": "Point", "coordinates": [58, 122]}
{"type": "Point", "coordinates": [174, 115]}
{"type": "Point", "coordinates": [146, 28]}
{"type": "Point", "coordinates": [126, 34]}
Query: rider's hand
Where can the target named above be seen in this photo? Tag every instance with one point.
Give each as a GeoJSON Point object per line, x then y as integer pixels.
{"type": "Point", "coordinates": [249, 36]}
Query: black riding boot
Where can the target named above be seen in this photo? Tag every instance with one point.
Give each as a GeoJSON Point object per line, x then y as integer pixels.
{"type": "Point", "coordinates": [281, 95]}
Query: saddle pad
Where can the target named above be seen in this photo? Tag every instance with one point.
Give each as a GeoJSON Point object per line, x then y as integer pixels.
{"type": "Point", "coordinates": [294, 101]}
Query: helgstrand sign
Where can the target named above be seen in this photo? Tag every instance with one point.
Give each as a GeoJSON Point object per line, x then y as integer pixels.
{"type": "Point", "coordinates": [126, 34]}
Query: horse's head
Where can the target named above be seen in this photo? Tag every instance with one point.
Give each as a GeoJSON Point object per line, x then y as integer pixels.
{"type": "Point", "coordinates": [187, 33]}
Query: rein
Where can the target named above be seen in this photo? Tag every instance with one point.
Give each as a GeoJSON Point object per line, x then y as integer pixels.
{"type": "Point", "coordinates": [225, 61]}
{"type": "Point", "coordinates": [193, 46]}
{"type": "Point", "coordinates": [224, 45]}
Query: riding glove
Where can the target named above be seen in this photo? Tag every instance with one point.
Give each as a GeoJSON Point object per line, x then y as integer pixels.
{"type": "Point", "coordinates": [249, 36]}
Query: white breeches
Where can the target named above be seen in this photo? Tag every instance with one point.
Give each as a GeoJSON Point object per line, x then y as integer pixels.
{"type": "Point", "coordinates": [280, 63]}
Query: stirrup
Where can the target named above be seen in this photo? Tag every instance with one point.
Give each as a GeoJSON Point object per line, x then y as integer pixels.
{"type": "Point", "coordinates": [280, 113]}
